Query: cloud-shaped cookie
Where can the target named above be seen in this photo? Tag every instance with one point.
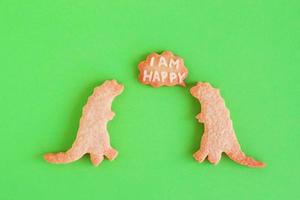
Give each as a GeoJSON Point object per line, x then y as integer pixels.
{"type": "Point", "coordinates": [165, 69]}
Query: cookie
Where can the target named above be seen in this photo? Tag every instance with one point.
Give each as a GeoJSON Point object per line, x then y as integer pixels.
{"type": "Point", "coordinates": [219, 135]}
{"type": "Point", "coordinates": [92, 136]}
{"type": "Point", "coordinates": [162, 70]}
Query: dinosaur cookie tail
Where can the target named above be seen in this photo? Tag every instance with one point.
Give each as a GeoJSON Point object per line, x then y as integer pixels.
{"type": "Point", "coordinates": [241, 158]}
{"type": "Point", "coordinates": [62, 157]}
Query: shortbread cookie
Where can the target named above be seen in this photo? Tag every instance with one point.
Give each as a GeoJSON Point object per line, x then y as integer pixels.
{"type": "Point", "coordinates": [165, 69]}
{"type": "Point", "coordinates": [219, 135]}
{"type": "Point", "coordinates": [92, 136]}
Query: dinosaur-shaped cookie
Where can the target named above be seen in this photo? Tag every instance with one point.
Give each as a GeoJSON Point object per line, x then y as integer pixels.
{"type": "Point", "coordinates": [92, 136]}
{"type": "Point", "coordinates": [219, 135]}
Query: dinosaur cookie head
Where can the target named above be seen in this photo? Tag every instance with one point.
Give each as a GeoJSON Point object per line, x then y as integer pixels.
{"type": "Point", "coordinates": [115, 87]}
{"type": "Point", "coordinates": [111, 88]}
{"type": "Point", "coordinates": [204, 92]}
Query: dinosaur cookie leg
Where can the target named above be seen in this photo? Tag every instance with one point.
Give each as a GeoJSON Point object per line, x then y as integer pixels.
{"type": "Point", "coordinates": [111, 153]}
{"type": "Point", "coordinates": [202, 153]}
{"type": "Point", "coordinates": [96, 159]}
{"type": "Point", "coordinates": [213, 155]}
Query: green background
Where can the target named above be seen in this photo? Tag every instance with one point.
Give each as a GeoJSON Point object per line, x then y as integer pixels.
{"type": "Point", "coordinates": [53, 53]}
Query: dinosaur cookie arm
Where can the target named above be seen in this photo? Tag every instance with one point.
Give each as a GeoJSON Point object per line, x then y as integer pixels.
{"type": "Point", "coordinates": [110, 115]}
{"type": "Point", "coordinates": [201, 117]}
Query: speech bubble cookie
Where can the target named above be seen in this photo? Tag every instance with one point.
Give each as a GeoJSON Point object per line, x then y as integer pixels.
{"type": "Point", "coordinates": [219, 135]}
{"type": "Point", "coordinates": [92, 136]}
{"type": "Point", "coordinates": [162, 70]}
